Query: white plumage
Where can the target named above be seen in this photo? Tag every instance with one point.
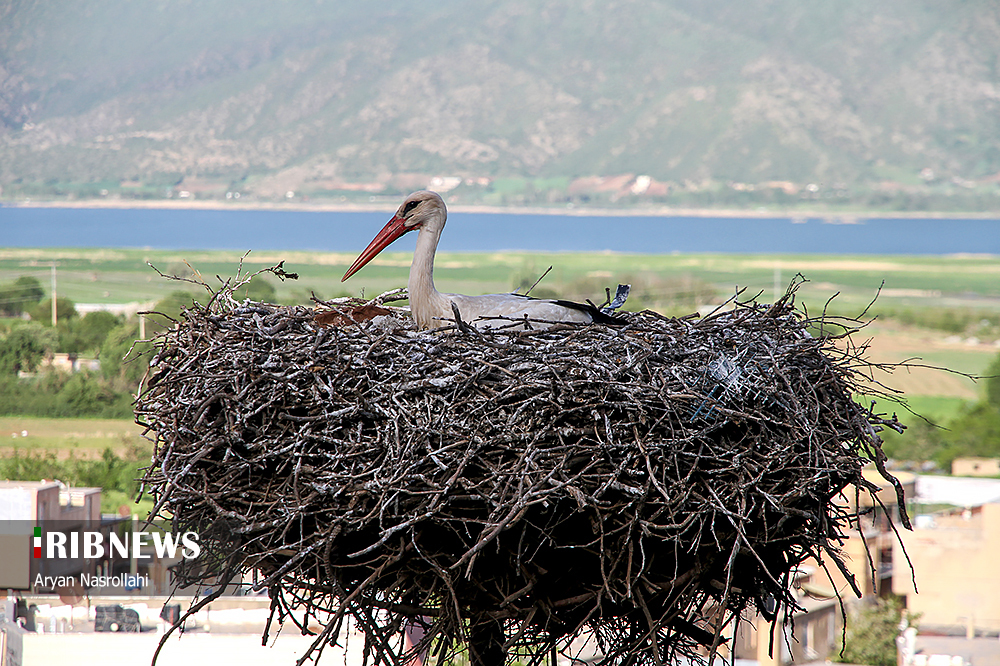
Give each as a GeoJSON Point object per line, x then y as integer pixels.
{"type": "Point", "coordinates": [426, 212]}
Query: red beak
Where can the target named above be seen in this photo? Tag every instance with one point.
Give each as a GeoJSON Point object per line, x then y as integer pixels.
{"type": "Point", "coordinates": [393, 229]}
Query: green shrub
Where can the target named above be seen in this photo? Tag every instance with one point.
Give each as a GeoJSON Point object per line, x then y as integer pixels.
{"type": "Point", "coordinates": [24, 347]}
{"type": "Point", "coordinates": [42, 313]}
{"type": "Point", "coordinates": [117, 475]}
{"type": "Point", "coordinates": [20, 296]}
{"type": "Point", "coordinates": [871, 634]}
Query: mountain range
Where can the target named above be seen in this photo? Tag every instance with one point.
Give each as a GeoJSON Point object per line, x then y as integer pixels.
{"type": "Point", "coordinates": [502, 100]}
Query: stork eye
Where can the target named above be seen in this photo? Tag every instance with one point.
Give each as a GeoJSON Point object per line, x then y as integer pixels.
{"type": "Point", "coordinates": [410, 205]}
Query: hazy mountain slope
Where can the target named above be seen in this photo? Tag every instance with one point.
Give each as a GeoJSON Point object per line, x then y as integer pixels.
{"type": "Point", "coordinates": [290, 95]}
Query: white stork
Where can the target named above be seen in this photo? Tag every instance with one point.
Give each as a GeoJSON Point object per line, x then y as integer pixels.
{"type": "Point", "coordinates": [426, 212]}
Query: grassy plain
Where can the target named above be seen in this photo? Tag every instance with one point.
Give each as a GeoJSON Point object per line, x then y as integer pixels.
{"type": "Point", "coordinates": [83, 438]}
{"type": "Point", "coordinates": [931, 310]}
{"type": "Point", "coordinates": [121, 275]}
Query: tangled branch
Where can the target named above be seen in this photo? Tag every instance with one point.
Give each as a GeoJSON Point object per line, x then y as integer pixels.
{"type": "Point", "coordinates": [642, 485]}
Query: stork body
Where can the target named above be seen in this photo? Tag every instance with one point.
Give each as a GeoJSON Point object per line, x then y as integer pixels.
{"type": "Point", "coordinates": [426, 212]}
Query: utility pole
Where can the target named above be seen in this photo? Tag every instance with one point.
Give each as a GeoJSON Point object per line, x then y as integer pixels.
{"type": "Point", "coordinates": [53, 295]}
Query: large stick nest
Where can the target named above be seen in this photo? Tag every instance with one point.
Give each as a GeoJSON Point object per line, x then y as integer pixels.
{"type": "Point", "coordinates": [643, 485]}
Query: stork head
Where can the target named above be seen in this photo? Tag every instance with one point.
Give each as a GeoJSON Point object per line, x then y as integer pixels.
{"type": "Point", "coordinates": [423, 209]}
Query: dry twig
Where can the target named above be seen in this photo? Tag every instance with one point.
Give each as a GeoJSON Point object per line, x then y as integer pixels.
{"type": "Point", "coordinates": [647, 483]}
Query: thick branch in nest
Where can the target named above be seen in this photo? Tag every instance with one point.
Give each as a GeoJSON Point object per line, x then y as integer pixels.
{"type": "Point", "coordinates": [646, 483]}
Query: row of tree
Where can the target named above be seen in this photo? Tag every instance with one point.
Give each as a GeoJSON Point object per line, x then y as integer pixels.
{"type": "Point", "coordinates": [25, 343]}
{"type": "Point", "coordinates": [116, 474]}
{"type": "Point", "coordinates": [20, 296]}
{"type": "Point", "coordinates": [27, 338]}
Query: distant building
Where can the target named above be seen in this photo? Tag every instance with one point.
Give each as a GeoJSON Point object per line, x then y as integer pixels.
{"type": "Point", "coordinates": [445, 183]}
{"type": "Point", "coordinates": [119, 309]}
{"type": "Point", "coordinates": [954, 556]}
{"type": "Point", "coordinates": [72, 363]}
{"type": "Point", "coordinates": [975, 467]}
{"type": "Point", "coordinates": [817, 628]}
{"type": "Point", "coordinates": [957, 491]}
{"type": "Point", "coordinates": [26, 504]}
{"type": "Point", "coordinates": [55, 507]}
{"type": "Point", "coordinates": [64, 362]}
{"type": "Point", "coordinates": [870, 558]}
{"type": "Point", "coordinates": [618, 186]}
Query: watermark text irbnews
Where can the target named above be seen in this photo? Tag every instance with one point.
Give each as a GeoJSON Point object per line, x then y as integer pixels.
{"type": "Point", "coordinates": [94, 545]}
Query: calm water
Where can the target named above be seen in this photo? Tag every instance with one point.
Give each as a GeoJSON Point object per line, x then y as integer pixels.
{"type": "Point", "coordinates": [350, 232]}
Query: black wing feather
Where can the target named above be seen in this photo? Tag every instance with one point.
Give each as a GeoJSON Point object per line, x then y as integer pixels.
{"type": "Point", "coordinates": [598, 316]}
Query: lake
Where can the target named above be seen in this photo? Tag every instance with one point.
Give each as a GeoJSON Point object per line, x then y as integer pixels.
{"type": "Point", "coordinates": [483, 232]}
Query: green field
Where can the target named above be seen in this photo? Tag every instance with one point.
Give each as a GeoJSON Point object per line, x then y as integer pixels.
{"type": "Point", "coordinates": [936, 311]}
{"type": "Point", "coordinates": [122, 276]}
{"type": "Point", "coordinates": [83, 438]}
{"type": "Point", "coordinates": [75, 451]}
